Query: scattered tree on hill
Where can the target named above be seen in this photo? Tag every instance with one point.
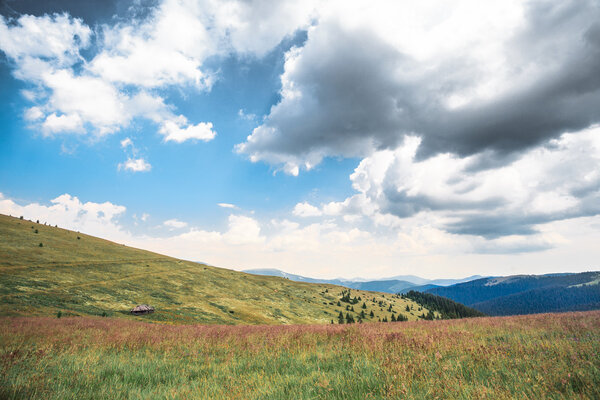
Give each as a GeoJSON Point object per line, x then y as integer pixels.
{"type": "Point", "coordinates": [364, 306]}
{"type": "Point", "coordinates": [372, 314]}
{"type": "Point", "coordinates": [21, 217]}
{"type": "Point", "coordinates": [401, 318]}
{"type": "Point", "coordinates": [41, 245]}
{"type": "Point", "coordinates": [36, 231]}
{"type": "Point", "coordinates": [340, 318]}
{"type": "Point", "coordinates": [339, 304]}
{"type": "Point", "coordinates": [362, 314]}
{"type": "Point", "coordinates": [384, 319]}
{"type": "Point", "coordinates": [349, 318]}
{"type": "Point", "coordinates": [346, 297]}
{"type": "Point", "coordinates": [393, 318]}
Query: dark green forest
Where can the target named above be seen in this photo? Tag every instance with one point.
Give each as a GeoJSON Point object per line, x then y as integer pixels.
{"type": "Point", "coordinates": [447, 308]}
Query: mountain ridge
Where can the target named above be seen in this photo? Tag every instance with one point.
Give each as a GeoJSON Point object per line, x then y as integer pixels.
{"type": "Point", "coordinates": [389, 285]}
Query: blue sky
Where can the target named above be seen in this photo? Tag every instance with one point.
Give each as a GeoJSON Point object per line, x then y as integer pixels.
{"type": "Point", "coordinates": [325, 139]}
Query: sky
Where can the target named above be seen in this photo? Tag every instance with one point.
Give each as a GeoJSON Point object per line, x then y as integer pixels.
{"type": "Point", "coordinates": [323, 138]}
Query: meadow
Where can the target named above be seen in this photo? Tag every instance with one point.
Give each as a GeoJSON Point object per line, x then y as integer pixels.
{"type": "Point", "coordinates": [549, 356]}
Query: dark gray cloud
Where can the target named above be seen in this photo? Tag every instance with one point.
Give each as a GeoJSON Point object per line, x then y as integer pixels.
{"type": "Point", "coordinates": [559, 101]}
{"type": "Point", "coordinates": [360, 94]}
{"type": "Point", "coordinates": [92, 13]}
{"type": "Point", "coordinates": [504, 223]}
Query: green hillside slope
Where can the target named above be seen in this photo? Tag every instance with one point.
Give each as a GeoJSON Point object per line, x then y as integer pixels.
{"type": "Point", "coordinates": [78, 274]}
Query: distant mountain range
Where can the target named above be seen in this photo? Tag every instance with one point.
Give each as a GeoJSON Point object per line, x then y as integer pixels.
{"type": "Point", "coordinates": [395, 284]}
{"type": "Point", "coordinates": [527, 294]}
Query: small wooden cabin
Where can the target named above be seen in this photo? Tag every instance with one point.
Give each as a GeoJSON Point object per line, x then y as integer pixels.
{"type": "Point", "coordinates": [142, 309]}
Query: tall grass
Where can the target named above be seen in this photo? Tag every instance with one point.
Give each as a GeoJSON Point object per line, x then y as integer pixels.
{"type": "Point", "coordinates": [535, 357]}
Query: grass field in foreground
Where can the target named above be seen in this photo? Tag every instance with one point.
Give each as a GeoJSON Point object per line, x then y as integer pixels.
{"type": "Point", "coordinates": [525, 357]}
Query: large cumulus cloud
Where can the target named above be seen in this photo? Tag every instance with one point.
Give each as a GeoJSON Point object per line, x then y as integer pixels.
{"type": "Point", "coordinates": [358, 86]}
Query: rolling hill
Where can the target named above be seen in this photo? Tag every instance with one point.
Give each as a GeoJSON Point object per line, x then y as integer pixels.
{"type": "Point", "coordinates": [44, 270]}
{"type": "Point", "coordinates": [527, 294]}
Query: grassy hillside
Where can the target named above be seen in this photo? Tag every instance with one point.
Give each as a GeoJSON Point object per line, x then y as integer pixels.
{"type": "Point", "coordinates": [527, 294]}
{"type": "Point", "coordinates": [527, 357]}
{"type": "Point", "coordinates": [78, 274]}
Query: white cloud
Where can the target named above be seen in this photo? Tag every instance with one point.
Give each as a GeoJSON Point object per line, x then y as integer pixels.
{"type": "Point", "coordinates": [126, 143]}
{"type": "Point", "coordinates": [166, 49]}
{"type": "Point", "coordinates": [306, 210]}
{"type": "Point", "coordinates": [243, 231]}
{"type": "Point", "coordinates": [175, 224]}
{"type": "Point", "coordinates": [91, 98]}
{"type": "Point", "coordinates": [136, 165]}
{"type": "Point", "coordinates": [56, 38]}
{"type": "Point", "coordinates": [176, 131]}
{"type": "Point", "coordinates": [247, 117]}
{"type": "Point", "coordinates": [62, 123]}
{"type": "Point", "coordinates": [33, 114]}
{"type": "Point", "coordinates": [227, 205]}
